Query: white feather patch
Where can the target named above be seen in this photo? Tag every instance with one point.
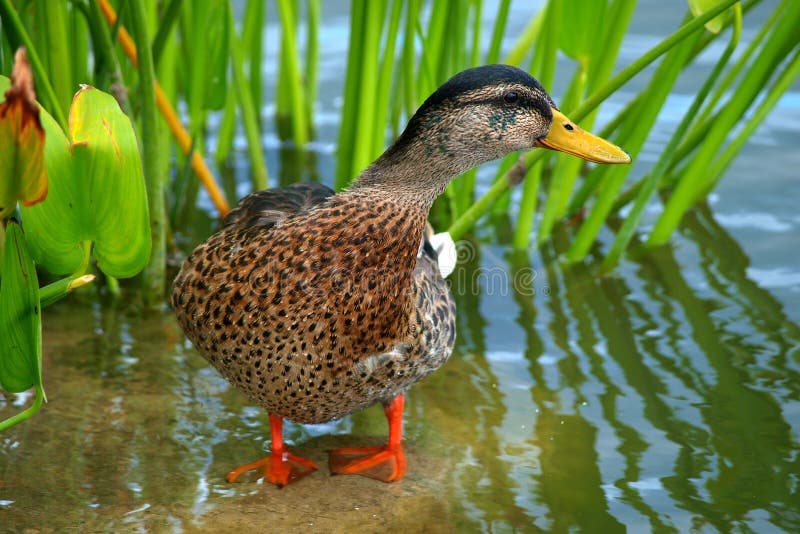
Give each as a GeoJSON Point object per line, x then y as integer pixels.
{"type": "Point", "coordinates": [445, 248]}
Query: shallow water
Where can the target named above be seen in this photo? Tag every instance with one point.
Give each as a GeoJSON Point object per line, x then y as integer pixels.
{"type": "Point", "coordinates": [663, 398]}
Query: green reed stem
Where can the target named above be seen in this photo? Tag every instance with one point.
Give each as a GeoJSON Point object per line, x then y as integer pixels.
{"type": "Point", "coordinates": [455, 53]}
{"type": "Point", "coordinates": [249, 114]}
{"type": "Point", "coordinates": [434, 46]}
{"type": "Point", "coordinates": [651, 55]}
{"type": "Point", "coordinates": [475, 44]}
{"type": "Point", "coordinates": [253, 42]}
{"type": "Point", "coordinates": [347, 130]}
{"type": "Point", "coordinates": [527, 206]}
{"type": "Point", "coordinates": [409, 58]}
{"type": "Point", "coordinates": [565, 167]}
{"type": "Point", "coordinates": [602, 64]}
{"type": "Point", "coordinates": [165, 28]}
{"type": "Point", "coordinates": [493, 54]}
{"type": "Point", "coordinates": [198, 52]}
{"type": "Point", "coordinates": [787, 78]}
{"type": "Point", "coordinates": [2, 244]}
{"type": "Point", "coordinates": [525, 40]}
{"type": "Point", "coordinates": [543, 65]}
{"type": "Point", "coordinates": [226, 133]}
{"type": "Point", "coordinates": [696, 180]}
{"type": "Point", "coordinates": [185, 188]}
{"type": "Point", "coordinates": [55, 291]}
{"type": "Point", "coordinates": [708, 115]}
{"type": "Point", "coordinates": [312, 55]}
{"type": "Point", "coordinates": [53, 40]}
{"type": "Point", "coordinates": [701, 124]}
{"type": "Point", "coordinates": [625, 234]}
{"type": "Point", "coordinates": [467, 220]}
{"type": "Point", "coordinates": [17, 35]}
{"type": "Point", "coordinates": [384, 85]}
{"type": "Point", "coordinates": [106, 67]}
{"type": "Point", "coordinates": [364, 139]}
{"type": "Point", "coordinates": [291, 75]}
{"type": "Point", "coordinates": [634, 134]}
{"type": "Point", "coordinates": [78, 37]}
{"type": "Point", "coordinates": [457, 57]}
{"type": "Point", "coordinates": [581, 42]}
{"type": "Point", "coordinates": [154, 275]}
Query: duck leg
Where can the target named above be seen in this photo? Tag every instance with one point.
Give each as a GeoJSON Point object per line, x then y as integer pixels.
{"type": "Point", "coordinates": [281, 467]}
{"type": "Point", "coordinates": [387, 463]}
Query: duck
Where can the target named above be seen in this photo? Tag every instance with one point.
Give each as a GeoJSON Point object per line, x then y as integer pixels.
{"type": "Point", "coordinates": [317, 304]}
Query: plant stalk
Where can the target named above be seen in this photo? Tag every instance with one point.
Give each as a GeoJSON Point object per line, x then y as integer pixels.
{"type": "Point", "coordinates": [154, 275]}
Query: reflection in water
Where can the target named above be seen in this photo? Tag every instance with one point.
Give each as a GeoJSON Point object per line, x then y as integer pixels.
{"type": "Point", "coordinates": [662, 398]}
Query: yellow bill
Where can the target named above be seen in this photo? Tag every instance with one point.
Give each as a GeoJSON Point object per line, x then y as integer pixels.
{"type": "Point", "coordinates": [566, 136]}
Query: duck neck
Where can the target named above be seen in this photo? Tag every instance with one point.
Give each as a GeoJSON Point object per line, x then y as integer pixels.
{"type": "Point", "coordinates": [409, 173]}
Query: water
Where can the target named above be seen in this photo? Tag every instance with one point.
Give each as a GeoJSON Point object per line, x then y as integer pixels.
{"type": "Point", "coordinates": [663, 398]}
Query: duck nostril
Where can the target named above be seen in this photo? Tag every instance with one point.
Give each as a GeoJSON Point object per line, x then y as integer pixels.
{"type": "Point", "coordinates": [569, 127]}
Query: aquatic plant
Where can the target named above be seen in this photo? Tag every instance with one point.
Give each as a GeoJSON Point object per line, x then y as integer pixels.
{"type": "Point", "coordinates": [93, 204]}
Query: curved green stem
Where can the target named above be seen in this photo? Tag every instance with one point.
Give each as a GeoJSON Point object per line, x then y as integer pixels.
{"type": "Point", "coordinates": [25, 414]}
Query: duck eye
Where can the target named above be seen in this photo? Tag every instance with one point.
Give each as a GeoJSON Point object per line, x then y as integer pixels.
{"type": "Point", "coordinates": [511, 97]}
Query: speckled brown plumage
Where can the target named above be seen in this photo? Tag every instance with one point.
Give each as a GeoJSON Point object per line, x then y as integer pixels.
{"type": "Point", "coordinates": [317, 310]}
{"type": "Point", "coordinates": [316, 305]}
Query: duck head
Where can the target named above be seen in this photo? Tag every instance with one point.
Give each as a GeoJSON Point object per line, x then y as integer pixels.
{"type": "Point", "coordinates": [479, 115]}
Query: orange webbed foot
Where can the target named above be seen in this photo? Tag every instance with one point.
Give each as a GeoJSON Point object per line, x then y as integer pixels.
{"type": "Point", "coordinates": [280, 469]}
{"type": "Point", "coordinates": [385, 463]}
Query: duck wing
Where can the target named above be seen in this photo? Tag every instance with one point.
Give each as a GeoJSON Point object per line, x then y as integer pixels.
{"type": "Point", "coordinates": [271, 207]}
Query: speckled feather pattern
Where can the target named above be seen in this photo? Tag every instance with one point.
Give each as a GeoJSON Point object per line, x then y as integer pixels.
{"type": "Point", "coordinates": [316, 306]}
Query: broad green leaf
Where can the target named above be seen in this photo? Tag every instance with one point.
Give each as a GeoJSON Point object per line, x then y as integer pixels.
{"type": "Point", "coordinates": [20, 316]}
{"type": "Point", "coordinates": [22, 170]}
{"type": "Point", "coordinates": [580, 27]}
{"type": "Point", "coordinates": [106, 154]}
{"type": "Point", "coordinates": [698, 7]}
{"type": "Point", "coordinates": [97, 192]}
